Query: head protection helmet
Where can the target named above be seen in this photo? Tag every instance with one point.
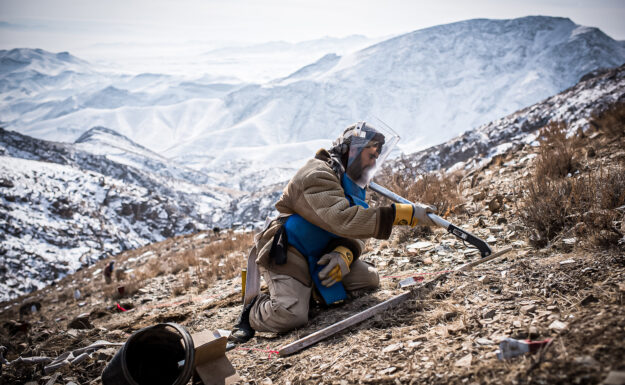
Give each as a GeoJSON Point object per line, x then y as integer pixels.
{"type": "Point", "coordinates": [363, 148]}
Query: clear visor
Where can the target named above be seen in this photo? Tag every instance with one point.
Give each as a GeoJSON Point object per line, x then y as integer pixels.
{"type": "Point", "coordinates": [371, 143]}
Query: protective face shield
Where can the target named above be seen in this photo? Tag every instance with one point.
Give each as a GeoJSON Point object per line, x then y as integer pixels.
{"type": "Point", "coordinates": [368, 148]}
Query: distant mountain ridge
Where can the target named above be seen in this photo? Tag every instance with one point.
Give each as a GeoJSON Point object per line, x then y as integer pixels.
{"type": "Point", "coordinates": [63, 206]}
{"type": "Point", "coordinates": [36, 59]}
{"type": "Point", "coordinates": [101, 186]}
{"type": "Point", "coordinates": [114, 146]}
{"type": "Point", "coordinates": [429, 85]}
{"type": "Point", "coordinates": [575, 106]}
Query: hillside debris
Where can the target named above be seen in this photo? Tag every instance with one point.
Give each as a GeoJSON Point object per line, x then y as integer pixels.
{"type": "Point", "coordinates": [29, 308]}
{"type": "Point", "coordinates": [446, 336]}
{"type": "Point", "coordinates": [74, 357]}
{"type": "Point", "coordinates": [511, 347]}
{"type": "Point", "coordinates": [615, 377]}
{"type": "Point", "coordinates": [558, 325]}
{"type": "Point", "coordinates": [81, 322]}
{"type": "Point", "coordinates": [368, 313]}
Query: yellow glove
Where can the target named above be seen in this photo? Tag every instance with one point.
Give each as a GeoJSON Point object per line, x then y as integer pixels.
{"type": "Point", "coordinates": [337, 262]}
{"type": "Point", "coordinates": [413, 214]}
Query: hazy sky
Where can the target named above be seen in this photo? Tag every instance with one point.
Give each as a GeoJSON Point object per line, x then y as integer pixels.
{"type": "Point", "coordinates": [73, 25]}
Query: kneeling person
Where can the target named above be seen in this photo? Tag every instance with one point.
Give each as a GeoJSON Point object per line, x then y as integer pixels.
{"type": "Point", "coordinates": [316, 241]}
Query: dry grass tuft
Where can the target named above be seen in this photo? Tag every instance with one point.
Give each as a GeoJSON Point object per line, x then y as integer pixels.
{"type": "Point", "coordinates": [557, 204]}
{"type": "Point", "coordinates": [194, 260]}
{"type": "Point", "coordinates": [605, 193]}
{"type": "Point", "coordinates": [611, 122]}
{"type": "Point", "coordinates": [182, 286]}
{"type": "Point", "coordinates": [224, 258]}
{"type": "Point", "coordinates": [435, 188]}
{"type": "Point", "coordinates": [557, 153]}
{"type": "Point", "coordinates": [228, 243]}
{"type": "Point", "coordinates": [189, 258]}
{"type": "Point", "coordinates": [408, 234]}
{"type": "Point", "coordinates": [543, 212]}
{"type": "Point", "coordinates": [154, 268]}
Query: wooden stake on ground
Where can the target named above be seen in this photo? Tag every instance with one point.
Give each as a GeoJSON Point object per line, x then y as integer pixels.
{"type": "Point", "coordinates": [469, 266]}
{"type": "Point", "coordinates": [341, 325]}
{"type": "Point", "coordinates": [322, 334]}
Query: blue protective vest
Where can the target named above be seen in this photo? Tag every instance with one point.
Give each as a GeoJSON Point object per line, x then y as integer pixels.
{"type": "Point", "coordinates": [311, 241]}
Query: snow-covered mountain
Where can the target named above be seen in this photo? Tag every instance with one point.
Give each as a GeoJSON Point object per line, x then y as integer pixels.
{"type": "Point", "coordinates": [225, 61]}
{"type": "Point", "coordinates": [62, 207]}
{"type": "Point", "coordinates": [429, 85]}
{"type": "Point", "coordinates": [54, 96]}
{"type": "Point", "coordinates": [118, 148]}
{"type": "Point", "coordinates": [115, 161]}
{"type": "Point", "coordinates": [575, 106]}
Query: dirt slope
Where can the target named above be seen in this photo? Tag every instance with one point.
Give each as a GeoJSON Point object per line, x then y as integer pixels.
{"type": "Point", "coordinates": [570, 291]}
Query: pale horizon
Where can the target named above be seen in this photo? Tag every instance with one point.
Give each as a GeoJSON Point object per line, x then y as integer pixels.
{"type": "Point", "coordinates": [179, 38]}
{"type": "Point", "coordinates": [71, 25]}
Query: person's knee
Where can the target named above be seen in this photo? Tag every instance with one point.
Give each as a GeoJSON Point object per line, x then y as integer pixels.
{"type": "Point", "coordinates": [290, 313]}
{"type": "Point", "coordinates": [363, 277]}
{"type": "Point", "coordinates": [280, 315]}
{"type": "Point", "coordinates": [291, 320]}
{"type": "Point", "coordinates": [372, 280]}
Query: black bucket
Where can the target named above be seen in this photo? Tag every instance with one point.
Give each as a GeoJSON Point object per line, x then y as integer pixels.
{"type": "Point", "coordinates": [162, 354]}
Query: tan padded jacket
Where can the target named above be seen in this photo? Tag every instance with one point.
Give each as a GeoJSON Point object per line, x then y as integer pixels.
{"type": "Point", "coordinates": [316, 194]}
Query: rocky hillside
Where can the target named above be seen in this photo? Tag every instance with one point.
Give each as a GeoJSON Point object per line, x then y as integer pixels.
{"type": "Point", "coordinates": [67, 205]}
{"type": "Point", "coordinates": [595, 92]}
{"type": "Point", "coordinates": [63, 208]}
{"type": "Point", "coordinates": [569, 290]}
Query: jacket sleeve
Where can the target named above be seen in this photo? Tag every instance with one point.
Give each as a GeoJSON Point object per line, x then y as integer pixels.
{"type": "Point", "coordinates": [331, 211]}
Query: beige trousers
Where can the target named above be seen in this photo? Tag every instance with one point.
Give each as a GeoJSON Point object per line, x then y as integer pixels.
{"type": "Point", "coordinates": [286, 306]}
